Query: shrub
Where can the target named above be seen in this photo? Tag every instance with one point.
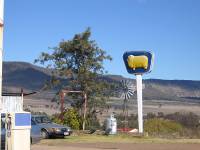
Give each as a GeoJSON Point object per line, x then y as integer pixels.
{"type": "Point", "coordinates": [92, 122]}
{"type": "Point", "coordinates": [158, 126]}
{"type": "Point", "coordinates": [70, 118]}
{"type": "Point", "coordinates": [189, 120]}
{"type": "Point", "coordinates": [151, 115]}
{"type": "Point", "coordinates": [132, 121]}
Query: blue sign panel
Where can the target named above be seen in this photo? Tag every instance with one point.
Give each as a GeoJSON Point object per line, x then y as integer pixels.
{"type": "Point", "coordinates": [22, 119]}
{"type": "Point", "coordinates": [138, 62]}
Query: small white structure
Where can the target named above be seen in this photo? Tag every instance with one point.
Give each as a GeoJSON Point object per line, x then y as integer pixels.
{"type": "Point", "coordinates": [18, 130]}
{"type": "Point", "coordinates": [12, 104]}
{"type": "Point", "coordinates": [111, 125]}
{"type": "Point", "coordinates": [17, 122]}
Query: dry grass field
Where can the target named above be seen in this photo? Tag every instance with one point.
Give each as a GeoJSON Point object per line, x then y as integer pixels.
{"type": "Point", "coordinates": [154, 106]}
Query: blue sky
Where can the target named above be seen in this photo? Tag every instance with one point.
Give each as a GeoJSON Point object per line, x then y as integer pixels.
{"type": "Point", "coordinates": [169, 28]}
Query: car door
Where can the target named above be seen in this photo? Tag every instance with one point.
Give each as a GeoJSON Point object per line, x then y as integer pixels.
{"type": "Point", "coordinates": [35, 130]}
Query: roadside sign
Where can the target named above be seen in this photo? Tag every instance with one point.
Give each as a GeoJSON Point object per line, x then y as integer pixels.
{"type": "Point", "coordinates": [138, 62]}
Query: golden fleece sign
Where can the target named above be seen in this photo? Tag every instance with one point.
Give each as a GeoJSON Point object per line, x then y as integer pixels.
{"type": "Point", "coordinates": [138, 62]}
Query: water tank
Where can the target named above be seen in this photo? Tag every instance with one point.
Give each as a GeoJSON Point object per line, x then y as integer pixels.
{"type": "Point", "coordinates": [111, 125]}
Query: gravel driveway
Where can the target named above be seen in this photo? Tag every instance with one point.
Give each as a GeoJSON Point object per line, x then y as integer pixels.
{"type": "Point", "coordinates": [117, 146]}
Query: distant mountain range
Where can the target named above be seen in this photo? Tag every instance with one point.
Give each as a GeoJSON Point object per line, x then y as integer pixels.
{"type": "Point", "coordinates": [17, 75]}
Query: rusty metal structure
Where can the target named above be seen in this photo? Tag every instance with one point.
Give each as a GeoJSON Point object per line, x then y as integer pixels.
{"type": "Point", "coordinates": [63, 93]}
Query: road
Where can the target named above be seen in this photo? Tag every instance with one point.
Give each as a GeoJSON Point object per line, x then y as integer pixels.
{"type": "Point", "coordinates": [117, 146]}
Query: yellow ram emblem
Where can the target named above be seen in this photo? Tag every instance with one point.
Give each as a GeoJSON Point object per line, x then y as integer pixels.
{"type": "Point", "coordinates": [135, 62]}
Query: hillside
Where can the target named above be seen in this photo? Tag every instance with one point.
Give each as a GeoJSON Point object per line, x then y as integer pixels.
{"type": "Point", "coordinates": [17, 75]}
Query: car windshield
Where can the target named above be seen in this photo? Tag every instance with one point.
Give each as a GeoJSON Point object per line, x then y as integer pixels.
{"type": "Point", "coordinates": [43, 119]}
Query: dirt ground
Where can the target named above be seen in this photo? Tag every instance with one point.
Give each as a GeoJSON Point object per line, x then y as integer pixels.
{"type": "Point", "coordinates": [117, 146]}
{"type": "Point", "coordinates": [116, 142]}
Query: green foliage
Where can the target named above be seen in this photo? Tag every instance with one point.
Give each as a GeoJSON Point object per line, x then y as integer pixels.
{"type": "Point", "coordinates": [56, 119]}
{"type": "Point", "coordinates": [151, 115]}
{"type": "Point", "coordinates": [191, 133]}
{"type": "Point", "coordinates": [158, 126]}
{"type": "Point", "coordinates": [92, 122]}
{"type": "Point", "coordinates": [70, 118]}
{"type": "Point", "coordinates": [80, 60]}
{"type": "Point", "coordinates": [189, 120]}
{"type": "Point", "coordinates": [132, 121]}
{"type": "Point", "coordinates": [120, 120]}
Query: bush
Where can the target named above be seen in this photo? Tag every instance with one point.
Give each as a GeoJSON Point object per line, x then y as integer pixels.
{"type": "Point", "coordinates": [56, 119]}
{"type": "Point", "coordinates": [92, 122]}
{"type": "Point", "coordinates": [70, 118]}
{"type": "Point", "coordinates": [189, 120]}
{"type": "Point", "coordinates": [158, 126]}
{"type": "Point", "coordinates": [191, 133]}
{"type": "Point", "coordinates": [151, 115]}
{"type": "Point", "coordinates": [132, 121]}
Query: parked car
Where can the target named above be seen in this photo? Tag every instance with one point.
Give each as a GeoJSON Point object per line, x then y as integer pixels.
{"type": "Point", "coordinates": [44, 127]}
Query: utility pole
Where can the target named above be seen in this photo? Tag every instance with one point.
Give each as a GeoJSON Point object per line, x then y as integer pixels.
{"type": "Point", "coordinates": [17, 123]}
{"type": "Point", "coordinates": [1, 54]}
{"type": "Point", "coordinates": [85, 110]}
{"type": "Point", "coordinates": [1, 45]}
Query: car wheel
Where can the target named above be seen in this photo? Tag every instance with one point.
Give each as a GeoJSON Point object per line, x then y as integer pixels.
{"type": "Point", "coordinates": [45, 134]}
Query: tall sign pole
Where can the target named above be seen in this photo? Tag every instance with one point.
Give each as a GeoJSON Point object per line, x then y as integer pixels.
{"type": "Point", "coordinates": [139, 63]}
{"type": "Point", "coordinates": [1, 45]}
{"type": "Point", "coordinates": [17, 123]}
{"type": "Point", "coordinates": [139, 102]}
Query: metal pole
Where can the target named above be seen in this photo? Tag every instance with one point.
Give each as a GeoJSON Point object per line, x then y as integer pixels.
{"type": "Point", "coordinates": [1, 53]}
{"type": "Point", "coordinates": [62, 104]}
{"type": "Point", "coordinates": [125, 114]}
{"type": "Point", "coordinates": [85, 110]}
{"type": "Point", "coordinates": [1, 43]}
{"type": "Point", "coordinates": [139, 101]}
{"type": "Point", "coordinates": [22, 95]}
